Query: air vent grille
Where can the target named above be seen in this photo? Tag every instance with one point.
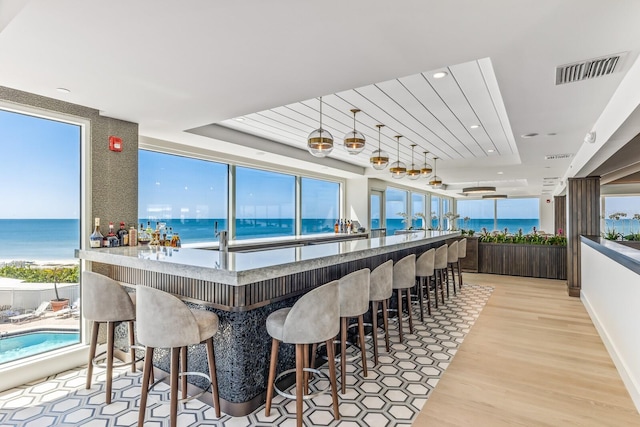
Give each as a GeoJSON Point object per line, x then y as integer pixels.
{"type": "Point", "coordinates": [588, 69]}
{"type": "Point", "coordinates": [558, 156]}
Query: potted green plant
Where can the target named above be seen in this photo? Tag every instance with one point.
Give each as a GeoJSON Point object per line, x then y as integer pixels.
{"type": "Point", "coordinates": [58, 303]}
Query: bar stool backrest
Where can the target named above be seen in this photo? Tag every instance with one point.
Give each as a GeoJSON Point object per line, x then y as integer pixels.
{"type": "Point", "coordinates": [353, 293]}
{"type": "Point", "coordinates": [425, 263]}
{"type": "Point", "coordinates": [163, 320]}
{"type": "Point", "coordinates": [462, 248]}
{"type": "Point", "coordinates": [381, 282]}
{"type": "Point", "coordinates": [315, 317]}
{"type": "Point", "coordinates": [452, 255]}
{"type": "Point", "coordinates": [105, 299]}
{"type": "Point", "coordinates": [404, 272]}
{"type": "Point", "coordinates": [441, 257]}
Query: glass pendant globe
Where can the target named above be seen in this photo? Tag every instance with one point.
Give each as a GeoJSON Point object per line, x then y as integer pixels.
{"type": "Point", "coordinates": [354, 142]}
{"type": "Point", "coordinates": [320, 143]}
{"type": "Point", "coordinates": [426, 170]}
{"type": "Point", "coordinates": [398, 170]}
{"type": "Point", "coordinates": [413, 173]}
{"type": "Point", "coordinates": [379, 159]}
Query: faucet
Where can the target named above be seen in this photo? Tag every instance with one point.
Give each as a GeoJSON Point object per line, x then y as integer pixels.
{"type": "Point", "coordinates": [223, 238]}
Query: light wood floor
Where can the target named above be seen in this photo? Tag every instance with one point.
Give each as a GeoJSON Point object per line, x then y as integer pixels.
{"type": "Point", "coordinates": [533, 358]}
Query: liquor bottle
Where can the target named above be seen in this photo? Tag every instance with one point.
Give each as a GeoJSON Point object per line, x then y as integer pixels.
{"type": "Point", "coordinates": [169, 237]}
{"type": "Point", "coordinates": [123, 235]}
{"type": "Point", "coordinates": [149, 230]}
{"type": "Point", "coordinates": [133, 236]}
{"type": "Point", "coordinates": [95, 240]}
{"type": "Point", "coordinates": [336, 227]}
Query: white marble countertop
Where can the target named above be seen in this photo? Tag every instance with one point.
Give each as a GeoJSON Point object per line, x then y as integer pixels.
{"type": "Point", "coordinates": [241, 268]}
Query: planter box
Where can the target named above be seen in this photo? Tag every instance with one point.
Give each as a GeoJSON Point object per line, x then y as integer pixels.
{"type": "Point", "coordinates": [547, 262]}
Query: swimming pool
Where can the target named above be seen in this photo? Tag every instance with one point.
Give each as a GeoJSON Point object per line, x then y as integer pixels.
{"type": "Point", "coordinates": [14, 347]}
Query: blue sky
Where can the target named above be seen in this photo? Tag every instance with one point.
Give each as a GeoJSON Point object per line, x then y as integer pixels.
{"type": "Point", "coordinates": [41, 178]}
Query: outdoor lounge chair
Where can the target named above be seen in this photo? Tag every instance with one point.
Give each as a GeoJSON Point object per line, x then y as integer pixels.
{"type": "Point", "coordinates": [68, 310]}
{"type": "Point", "coordinates": [31, 314]}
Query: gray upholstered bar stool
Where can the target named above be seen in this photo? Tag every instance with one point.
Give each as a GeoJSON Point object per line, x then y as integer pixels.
{"type": "Point", "coordinates": [313, 319]}
{"type": "Point", "coordinates": [380, 291]}
{"type": "Point", "coordinates": [452, 260]}
{"type": "Point", "coordinates": [164, 321]}
{"type": "Point", "coordinates": [353, 291]}
{"type": "Point", "coordinates": [462, 253]}
{"type": "Point", "coordinates": [404, 278]}
{"type": "Point", "coordinates": [424, 272]}
{"type": "Point", "coordinates": [105, 300]}
{"type": "Point", "coordinates": [440, 267]}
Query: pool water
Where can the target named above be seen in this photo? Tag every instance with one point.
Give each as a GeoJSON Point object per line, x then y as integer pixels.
{"type": "Point", "coordinates": [18, 346]}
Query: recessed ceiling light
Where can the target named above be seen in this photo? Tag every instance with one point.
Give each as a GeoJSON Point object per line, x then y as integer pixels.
{"type": "Point", "coordinates": [440, 74]}
{"type": "Point", "coordinates": [474, 126]}
{"type": "Point", "coordinates": [63, 90]}
{"type": "Point", "coordinates": [491, 150]}
{"type": "Point", "coordinates": [239, 119]}
{"type": "Point", "coordinates": [529, 135]}
{"type": "Point", "coordinates": [500, 173]}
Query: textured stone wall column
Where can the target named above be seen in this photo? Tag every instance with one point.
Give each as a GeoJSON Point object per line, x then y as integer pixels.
{"type": "Point", "coordinates": [583, 217]}
{"type": "Point", "coordinates": [560, 214]}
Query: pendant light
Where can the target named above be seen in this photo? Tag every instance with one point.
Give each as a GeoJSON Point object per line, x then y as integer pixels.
{"type": "Point", "coordinates": [320, 141]}
{"type": "Point", "coordinates": [435, 182]}
{"type": "Point", "coordinates": [413, 173]}
{"type": "Point", "coordinates": [426, 170]}
{"type": "Point", "coordinates": [398, 169]}
{"type": "Point", "coordinates": [479, 190]}
{"type": "Point", "coordinates": [354, 140]}
{"type": "Point", "coordinates": [379, 159]}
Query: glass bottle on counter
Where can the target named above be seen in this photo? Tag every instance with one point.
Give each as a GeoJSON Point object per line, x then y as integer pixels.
{"type": "Point", "coordinates": [123, 235]}
{"type": "Point", "coordinates": [143, 237]}
{"type": "Point", "coordinates": [169, 238]}
{"type": "Point", "coordinates": [133, 236]}
{"type": "Point", "coordinates": [95, 239]}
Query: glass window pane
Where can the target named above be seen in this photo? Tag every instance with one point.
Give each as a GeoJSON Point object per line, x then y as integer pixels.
{"type": "Point", "coordinates": [516, 214]}
{"type": "Point", "coordinates": [320, 205]}
{"type": "Point", "coordinates": [446, 222]}
{"type": "Point", "coordinates": [476, 214]}
{"type": "Point", "coordinates": [417, 207]}
{"type": "Point", "coordinates": [435, 212]}
{"type": "Point", "coordinates": [395, 210]}
{"type": "Point", "coordinates": [376, 206]}
{"type": "Point", "coordinates": [188, 195]}
{"type": "Point", "coordinates": [265, 203]}
{"type": "Point", "coordinates": [40, 220]}
{"type": "Point", "coordinates": [621, 217]}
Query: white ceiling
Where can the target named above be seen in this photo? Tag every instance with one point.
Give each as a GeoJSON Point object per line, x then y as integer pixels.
{"type": "Point", "coordinates": [185, 70]}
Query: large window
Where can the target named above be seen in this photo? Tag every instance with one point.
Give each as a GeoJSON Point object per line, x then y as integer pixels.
{"type": "Point", "coordinates": [40, 221]}
{"type": "Point", "coordinates": [621, 217]}
{"type": "Point", "coordinates": [396, 210]}
{"type": "Point", "coordinates": [435, 213]}
{"type": "Point", "coordinates": [320, 205]}
{"type": "Point", "coordinates": [265, 203]}
{"type": "Point", "coordinates": [418, 210]}
{"type": "Point", "coordinates": [512, 214]}
{"type": "Point", "coordinates": [187, 195]}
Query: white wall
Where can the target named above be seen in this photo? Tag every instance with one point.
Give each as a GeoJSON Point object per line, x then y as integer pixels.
{"type": "Point", "coordinates": [357, 200]}
{"type": "Point", "coordinates": [546, 215]}
{"type": "Point", "coordinates": [611, 294]}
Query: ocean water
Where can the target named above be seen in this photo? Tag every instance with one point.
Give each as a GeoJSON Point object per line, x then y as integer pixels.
{"type": "Point", "coordinates": [57, 239]}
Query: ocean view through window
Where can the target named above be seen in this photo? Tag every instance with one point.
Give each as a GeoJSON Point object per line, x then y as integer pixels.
{"type": "Point", "coordinates": [512, 214]}
{"type": "Point", "coordinates": [41, 228]}
{"type": "Point", "coordinates": [320, 205]}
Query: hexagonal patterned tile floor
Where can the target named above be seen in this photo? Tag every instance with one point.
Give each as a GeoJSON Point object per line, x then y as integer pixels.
{"type": "Point", "coordinates": [391, 395]}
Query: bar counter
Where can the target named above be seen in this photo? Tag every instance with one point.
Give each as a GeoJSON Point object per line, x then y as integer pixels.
{"type": "Point", "coordinates": [243, 288]}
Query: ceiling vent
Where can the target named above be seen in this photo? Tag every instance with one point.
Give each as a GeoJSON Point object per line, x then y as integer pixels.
{"type": "Point", "coordinates": [588, 69]}
{"type": "Point", "coordinates": [558, 156]}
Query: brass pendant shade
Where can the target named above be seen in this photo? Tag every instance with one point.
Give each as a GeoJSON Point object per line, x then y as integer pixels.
{"type": "Point", "coordinates": [320, 141]}
{"type": "Point", "coordinates": [398, 169]}
{"type": "Point", "coordinates": [354, 141]}
{"type": "Point", "coordinates": [413, 173]}
{"type": "Point", "coordinates": [435, 181]}
{"type": "Point", "coordinates": [426, 169]}
{"type": "Point", "coordinates": [479, 190]}
{"type": "Point", "coordinates": [379, 159]}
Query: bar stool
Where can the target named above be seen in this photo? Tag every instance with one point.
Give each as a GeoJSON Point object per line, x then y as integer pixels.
{"type": "Point", "coordinates": [462, 253]}
{"type": "Point", "coordinates": [105, 300]}
{"type": "Point", "coordinates": [424, 272]}
{"type": "Point", "coordinates": [164, 321]}
{"type": "Point", "coordinates": [452, 259]}
{"type": "Point", "coordinates": [440, 267]}
{"type": "Point", "coordinates": [404, 278]}
{"type": "Point", "coordinates": [314, 318]}
{"type": "Point", "coordinates": [353, 291]}
{"type": "Point", "coordinates": [380, 291]}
